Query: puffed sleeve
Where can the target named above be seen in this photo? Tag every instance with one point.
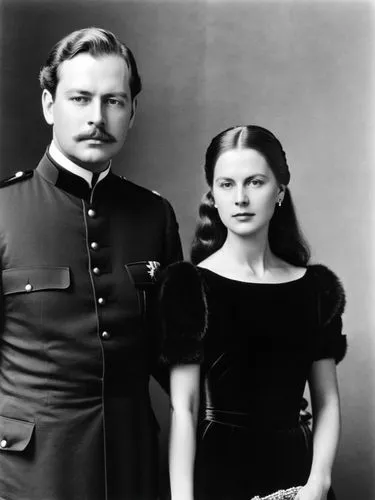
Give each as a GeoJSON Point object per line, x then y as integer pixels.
{"type": "Point", "coordinates": [330, 341]}
{"type": "Point", "coordinates": [183, 314]}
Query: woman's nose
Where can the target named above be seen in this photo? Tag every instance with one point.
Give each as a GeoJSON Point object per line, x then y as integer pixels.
{"type": "Point", "coordinates": [242, 198]}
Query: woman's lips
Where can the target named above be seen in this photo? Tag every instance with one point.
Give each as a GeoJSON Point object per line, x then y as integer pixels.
{"type": "Point", "coordinates": [243, 215]}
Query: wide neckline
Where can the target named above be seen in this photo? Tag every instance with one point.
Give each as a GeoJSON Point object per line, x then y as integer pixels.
{"type": "Point", "coordinates": [220, 276]}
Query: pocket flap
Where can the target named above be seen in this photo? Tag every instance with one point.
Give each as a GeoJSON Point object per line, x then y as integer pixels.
{"type": "Point", "coordinates": [15, 434]}
{"type": "Point", "coordinates": [143, 273]}
{"type": "Point", "coordinates": [32, 279]}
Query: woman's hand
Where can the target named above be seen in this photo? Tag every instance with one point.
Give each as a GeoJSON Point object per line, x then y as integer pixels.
{"type": "Point", "coordinates": [313, 490]}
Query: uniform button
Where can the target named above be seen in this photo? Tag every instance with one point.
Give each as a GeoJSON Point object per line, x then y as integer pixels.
{"type": "Point", "coordinates": [101, 301]}
{"type": "Point", "coordinates": [94, 245]}
{"type": "Point", "coordinates": [106, 335]}
{"type": "Point", "coordinates": [3, 443]}
{"type": "Point", "coordinates": [96, 271]}
{"type": "Point", "coordinates": [28, 287]}
{"type": "Point", "coordinates": [91, 212]}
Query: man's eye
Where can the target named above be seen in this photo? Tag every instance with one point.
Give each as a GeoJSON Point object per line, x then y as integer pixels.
{"type": "Point", "coordinates": [115, 102]}
{"type": "Point", "coordinates": [79, 99]}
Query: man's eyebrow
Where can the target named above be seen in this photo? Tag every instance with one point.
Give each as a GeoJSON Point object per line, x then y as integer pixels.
{"type": "Point", "coordinates": [78, 91]}
{"type": "Point", "coordinates": [124, 95]}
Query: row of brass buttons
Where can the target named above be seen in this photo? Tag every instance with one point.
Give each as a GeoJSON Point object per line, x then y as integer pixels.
{"type": "Point", "coordinates": [95, 246]}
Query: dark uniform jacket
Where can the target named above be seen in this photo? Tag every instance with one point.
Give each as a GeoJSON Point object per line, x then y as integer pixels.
{"type": "Point", "coordinates": [76, 353]}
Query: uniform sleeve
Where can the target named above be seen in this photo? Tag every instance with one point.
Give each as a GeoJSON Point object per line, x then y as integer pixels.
{"type": "Point", "coordinates": [183, 314]}
{"type": "Point", "coordinates": [172, 242]}
{"type": "Point", "coordinates": [172, 252]}
{"type": "Point", "coordinates": [330, 341]}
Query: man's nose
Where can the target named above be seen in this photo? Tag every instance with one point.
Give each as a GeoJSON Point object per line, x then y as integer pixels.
{"type": "Point", "coordinates": [242, 198]}
{"type": "Point", "coordinates": [97, 115]}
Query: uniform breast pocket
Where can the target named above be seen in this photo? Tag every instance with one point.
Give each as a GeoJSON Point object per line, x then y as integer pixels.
{"type": "Point", "coordinates": [28, 280]}
{"type": "Point", "coordinates": [29, 291]}
{"type": "Point", "coordinates": [143, 275]}
{"type": "Point", "coordinates": [36, 300]}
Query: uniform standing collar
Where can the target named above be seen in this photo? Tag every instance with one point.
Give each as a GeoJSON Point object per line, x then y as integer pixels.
{"type": "Point", "coordinates": [64, 162]}
{"type": "Point", "coordinates": [66, 180]}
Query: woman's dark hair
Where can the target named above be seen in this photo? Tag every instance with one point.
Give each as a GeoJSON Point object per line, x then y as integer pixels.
{"type": "Point", "coordinates": [285, 237]}
{"type": "Point", "coordinates": [94, 41]}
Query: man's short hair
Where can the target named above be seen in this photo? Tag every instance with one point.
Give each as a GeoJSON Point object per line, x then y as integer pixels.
{"type": "Point", "coordinates": [96, 42]}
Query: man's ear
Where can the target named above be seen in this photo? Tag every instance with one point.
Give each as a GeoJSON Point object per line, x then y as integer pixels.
{"type": "Point", "coordinates": [47, 104]}
{"type": "Point", "coordinates": [134, 108]}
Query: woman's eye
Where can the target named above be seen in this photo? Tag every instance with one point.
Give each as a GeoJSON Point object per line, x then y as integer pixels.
{"type": "Point", "coordinates": [226, 185]}
{"type": "Point", "coordinates": [256, 182]}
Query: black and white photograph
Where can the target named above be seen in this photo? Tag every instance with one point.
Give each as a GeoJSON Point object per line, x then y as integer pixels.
{"type": "Point", "coordinates": [187, 241]}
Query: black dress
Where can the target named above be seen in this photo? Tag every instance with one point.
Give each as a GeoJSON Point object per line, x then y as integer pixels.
{"type": "Point", "coordinates": [256, 344]}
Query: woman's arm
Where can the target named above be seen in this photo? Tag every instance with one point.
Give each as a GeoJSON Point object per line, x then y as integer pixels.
{"type": "Point", "coordinates": [326, 428]}
{"type": "Point", "coordinates": [185, 404]}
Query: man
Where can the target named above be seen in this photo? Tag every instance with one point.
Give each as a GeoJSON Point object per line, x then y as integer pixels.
{"type": "Point", "coordinates": [79, 249]}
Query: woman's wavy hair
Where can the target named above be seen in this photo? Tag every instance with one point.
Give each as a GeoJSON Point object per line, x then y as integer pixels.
{"type": "Point", "coordinates": [284, 235]}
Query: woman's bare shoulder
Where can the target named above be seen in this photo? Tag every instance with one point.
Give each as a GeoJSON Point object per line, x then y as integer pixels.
{"type": "Point", "coordinates": [212, 262]}
{"type": "Point", "coordinates": [289, 271]}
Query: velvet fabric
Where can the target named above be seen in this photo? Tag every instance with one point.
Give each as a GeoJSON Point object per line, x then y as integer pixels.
{"type": "Point", "coordinates": [256, 344]}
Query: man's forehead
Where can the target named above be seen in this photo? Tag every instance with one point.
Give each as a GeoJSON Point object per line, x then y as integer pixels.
{"type": "Point", "coordinates": [87, 70]}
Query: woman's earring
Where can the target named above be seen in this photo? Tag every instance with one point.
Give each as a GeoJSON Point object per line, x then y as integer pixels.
{"type": "Point", "coordinates": [280, 201]}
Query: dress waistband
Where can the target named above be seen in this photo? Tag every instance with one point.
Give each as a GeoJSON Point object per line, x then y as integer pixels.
{"type": "Point", "coordinates": [246, 420]}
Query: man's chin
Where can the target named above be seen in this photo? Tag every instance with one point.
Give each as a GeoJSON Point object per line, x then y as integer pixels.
{"type": "Point", "coordinates": [93, 160]}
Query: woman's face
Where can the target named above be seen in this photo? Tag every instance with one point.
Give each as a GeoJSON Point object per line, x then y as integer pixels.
{"type": "Point", "coordinates": [245, 191]}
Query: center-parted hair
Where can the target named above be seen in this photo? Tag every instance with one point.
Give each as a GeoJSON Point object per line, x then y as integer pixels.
{"type": "Point", "coordinates": [94, 41]}
{"type": "Point", "coordinates": [285, 237]}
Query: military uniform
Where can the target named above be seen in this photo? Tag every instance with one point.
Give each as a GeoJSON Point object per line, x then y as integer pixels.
{"type": "Point", "coordinates": [76, 346]}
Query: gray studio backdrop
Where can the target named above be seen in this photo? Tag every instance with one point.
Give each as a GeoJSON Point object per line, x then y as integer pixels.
{"type": "Point", "coordinates": [304, 69]}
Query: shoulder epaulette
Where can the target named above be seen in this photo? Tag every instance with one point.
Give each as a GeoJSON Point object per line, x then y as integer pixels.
{"type": "Point", "coordinates": [17, 177]}
{"type": "Point", "coordinates": [140, 187]}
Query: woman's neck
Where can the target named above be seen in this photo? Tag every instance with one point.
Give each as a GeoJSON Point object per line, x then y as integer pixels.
{"type": "Point", "coordinates": [252, 254]}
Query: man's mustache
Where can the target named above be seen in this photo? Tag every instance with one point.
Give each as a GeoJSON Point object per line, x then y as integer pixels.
{"type": "Point", "coordinates": [97, 134]}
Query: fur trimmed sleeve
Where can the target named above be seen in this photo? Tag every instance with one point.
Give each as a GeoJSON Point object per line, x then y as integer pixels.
{"type": "Point", "coordinates": [183, 314]}
{"type": "Point", "coordinates": [331, 343]}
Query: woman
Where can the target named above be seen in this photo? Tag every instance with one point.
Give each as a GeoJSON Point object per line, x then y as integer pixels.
{"type": "Point", "coordinates": [246, 325]}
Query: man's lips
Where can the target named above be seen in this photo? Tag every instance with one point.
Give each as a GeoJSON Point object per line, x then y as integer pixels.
{"type": "Point", "coordinates": [97, 137]}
